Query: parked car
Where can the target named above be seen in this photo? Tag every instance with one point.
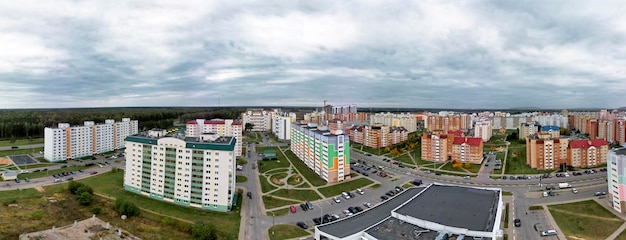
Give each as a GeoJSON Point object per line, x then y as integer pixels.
{"type": "Point", "coordinates": [369, 205]}
{"type": "Point", "coordinates": [574, 190]}
{"type": "Point", "coordinates": [17, 180]}
{"type": "Point", "coordinates": [347, 212]}
{"type": "Point", "coordinates": [302, 225]}
{"type": "Point", "coordinates": [345, 195]}
{"type": "Point", "coordinates": [358, 209]}
{"type": "Point", "coordinates": [360, 191]}
{"type": "Point", "coordinates": [293, 209]}
{"type": "Point", "coordinates": [398, 189]}
{"type": "Point", "coordinates": [249, 194]}
{"type": "Point", "coordinates": [317, 221]}
{"type": "Point", "coordinates": [26, 180]}
{"type": "Point", "coordinates": [309, 205]}
{"type": "Point", "coordinates": [304, 207]}
{"type": "Point", "coordinates": [94, 173]}
{"type": "Point", "coordinates": [600, 193]}
{"type": "Point", "coordinates": [353, 210]}
{"type": "Point", "coordinates": [383, 197]}
{"type": "Point", "coordinates": [336, 199]}
{"type": "Point", "coordinates": [517, 222]}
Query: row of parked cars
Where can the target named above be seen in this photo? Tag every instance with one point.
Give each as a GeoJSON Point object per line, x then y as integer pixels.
{"type": "Point", "coordinates": [391, 193]}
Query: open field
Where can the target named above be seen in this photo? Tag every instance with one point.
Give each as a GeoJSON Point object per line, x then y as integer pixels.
{"type": "Point", "coordinates": [284, 231]}
{"type": "Point", "coordinates": [252, 137]}
{"type": "Point", "coordinates": [304, 170]}
{"type": "Point", "coordinates": [304, 195]}
{"type": "Point", "coordinates": [585, 220]}
{"type": "Point", "coordinates": [21, 142]}
{"type": "Point", "coordinates": [621, 236]}
{"type": "Point", "coordinates": [351, 185]}
{"type": "Point", "coordinates": [473, 168]}
{"type": "Point", "coordinates": [7, 196]}
{"type": "Point", "coordinates": [265, 184]}
{"type": "Point", "coordinates": [279, 212]}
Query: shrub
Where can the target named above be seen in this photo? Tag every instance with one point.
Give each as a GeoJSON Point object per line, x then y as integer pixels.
{"type": "Point", "coordinates": [96, 210]}
{"type": "Point", "coordinates": [84, 198]}
{"type": "Point", "coordinates": [122, 207]}
{"type": "Point", "coordinates": [203, 231]}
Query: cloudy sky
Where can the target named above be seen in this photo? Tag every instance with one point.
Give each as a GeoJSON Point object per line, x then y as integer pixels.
{"type": "Point", "coordinates": [431, 54]}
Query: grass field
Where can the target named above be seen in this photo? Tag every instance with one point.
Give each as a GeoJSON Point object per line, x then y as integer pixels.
{"type": "Point", "coordinates": [5, 153]}
{"type": "Point", "coordinates": [284, 231]}
{"type": "Point", "coordinates": [21, 142]}
{"type": "Point", "coordinates": [272, 164]}
{"type": "Point", "coordinates": [621, 236]}
{"type": "Point", "coordinates": [473, 168]}
{"type": "Point", "coordinates": [303, 195]}
{"type": "Point", "coordinates": [304, 170]}
{"type": "Point", "coordinates": [252, 137]}
{"type": "Point", "coordinates": [585, 220]}
{"type": "Point", "coordinates": [279, 212]}
{"type": "Point", "coordinates": [265, 184]}
{"type": "Point", "coordinates": [111, 184]}
{"type": "Point", "coordinates": [271, 202]}
{"type": "Point", "coordinates": [19, 194]}
{"type": "Point", "coordinates": [36, 165]}
{"type": "Point", "coordinates": [240, 178]}
{"type": "Point", "coordinates": [295, 180]}
{"type": "Point", "coordinates": [345, 186]}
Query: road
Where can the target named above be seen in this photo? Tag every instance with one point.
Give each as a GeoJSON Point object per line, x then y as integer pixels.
{"type": "Point", "coordinates": [22, 147]}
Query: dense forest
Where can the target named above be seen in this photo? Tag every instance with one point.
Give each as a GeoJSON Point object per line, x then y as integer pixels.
{"type": "Point", "coordinates": [30, 123]}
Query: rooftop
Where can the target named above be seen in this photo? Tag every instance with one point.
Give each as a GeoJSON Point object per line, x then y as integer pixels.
{"type": "Point", "coordinates": [216, 143]}
{"type": "Point", "coordinates": [360, 222]}
{"type": "Point", "coordinates": [462, 207]}
{"type": "Point", "coordinates": [392, 229]}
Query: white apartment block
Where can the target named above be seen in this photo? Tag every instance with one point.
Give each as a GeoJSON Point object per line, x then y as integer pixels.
{"type": "Point", "coordinates": [260, 118]}
{"type": "Point", "coordinates": [406, 120]}
{"type": "Point", "coordinates": [222, 127]}
{"type": "Point", "coordinates": [281, 125]}
{"type": "Point", "coordinates": [196, 172]}
{"type": "Point", "coordinates": [71, 142]}
{"type": "Point", "coordinates": [483, 130]}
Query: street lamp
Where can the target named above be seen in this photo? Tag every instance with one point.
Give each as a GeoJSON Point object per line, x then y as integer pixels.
{"type": "Point", "coordinates": [273, 215]}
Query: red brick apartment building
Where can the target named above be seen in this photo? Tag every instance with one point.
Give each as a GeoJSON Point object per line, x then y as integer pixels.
{"type": "Point", "coordinates": [451, 147]}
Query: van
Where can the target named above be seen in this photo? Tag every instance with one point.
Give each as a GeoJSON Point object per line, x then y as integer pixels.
{"type": "Point", "coordinates": [550, 232]}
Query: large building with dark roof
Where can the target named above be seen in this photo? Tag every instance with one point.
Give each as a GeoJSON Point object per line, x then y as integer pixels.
{"type": "Point", "coordinates": [188, 171]}
{"type": "Point", "coordinates": [425, 213]}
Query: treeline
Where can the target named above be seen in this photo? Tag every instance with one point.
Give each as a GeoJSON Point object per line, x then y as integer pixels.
{"type": "Point", "coordinates": [30, 123]}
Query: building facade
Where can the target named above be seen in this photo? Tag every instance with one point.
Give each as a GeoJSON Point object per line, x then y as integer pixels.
{"type": "Point", "coordinates": [546, 153]}
{"type": "Point", "coordinates": [281, 124]}
{"type": "Point", "coordinates": [527, 129]}
{"type": "Point", "coordinates": [451, 147]}
{"type": "Point", "coordinates": [378, 136]}
{"type": "Point", "coordinates": [405, 120]}
{"type": "Point", "coordinates": [616, 178]}
{"type": "Point", "coordinates": [71, 142]}
{"type": "Point", "coordinates": [196, 172]}
{"type": "Point", "coordinates": [326, 153]}
{"type": "Point", "coordinates": [260, 118]}
{"type": "Point", "coordinates": [587, 153]}
{"type": "Point", "coordinates": [222, 127]}
{"type": "Point", "coordinates": [483, 129]}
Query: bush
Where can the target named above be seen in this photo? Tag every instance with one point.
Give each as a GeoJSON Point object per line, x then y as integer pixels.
{"type": "Point", "coordinates": [96, 210]}
{"type": "Point", "coordinates": [122, 207]}
{"type": "Point", "coordinates": [203, 231]}
{"type": "Point", "coordinates": [72, 186]}
{"type": "Point", "coordinates": [84, 198]}
{"type": "Point", "coordinates": [84, 188]}
{"type": "Point", "coordinates": [9, 202]}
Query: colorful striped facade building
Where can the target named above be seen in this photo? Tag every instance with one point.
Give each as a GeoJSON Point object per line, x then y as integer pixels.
{"type": "Point", "coordinates": [325, 152]}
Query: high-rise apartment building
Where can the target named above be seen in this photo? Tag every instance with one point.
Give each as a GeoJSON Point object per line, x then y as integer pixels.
{"type": "Point", "coordinates": [222, 127]}
{"type": "Point", "coordinates": [260, 118]}
{"type": "Point", "coordinates": [377, 135]}
{"type": "Point", "coordinates": [483, 130]}
{"type": "Point", "coordinates": [527, 129]}
{"type": "Point", "coordinates": [616, 172]}
{"type": "Point", "coordinates": [451, 147]}
{"type": "Point", "coordinates": [71, 142]}
{"type": "Point", "coordinates": [281, 124]}
{"type": "Point", "coordinates": [543, 152]}
{"type": "Point", "coordinates": [326, 153]}
{"type": "Point", "coordinates": [553, 131]}
{"type": "Point", "coordinates": [587, 153]}
{"type": "Point", "coordinates": [195, 172]}
{"type": "Point", "coordinates": [405, 120]}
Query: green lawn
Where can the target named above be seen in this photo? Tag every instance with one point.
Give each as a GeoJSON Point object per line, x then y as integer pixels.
{"type": "Point", "coordinates": [265, 185]}
{"type": "Point", "coordinates": [304, 170]}
{"type": "Point", "coordinates": [19, 194]}
{"type": "Point", "coordinates": [271, 202]}
{"type": "Point", "coordinates": [20, 142]}
{"type": "Point", "coordinates": [272, 164]}
{"type": "Point", "coordinates": [295, 180]}
{"type": "Point", "coordinates": [36, 165]}
{"type": "Point", "coordinates": [5, 153]}
{"type": "Point", "coordinates": [284, 231]}
{"type": "Point", "coordinates": [303, 195]}
{"type": "Point", "coordinates": [473, 168]}
{"type": "Point", "coordinates": [279, 212]}
{"type": "Point", "coordinates": [252, 137]}
{"type": "Point", "coordinates": [405, 158]}
{"type": "Point", "coordinates": [274, 171]}
{"type": "Point", "coordinates": [585, 220]}
{"type": "Point", "coordinates": [240, 178]}
{"type": "Point", "coordinates": [345, 186]}
{"type": "Point", "coordinates": [517, 164]}
{"type": "Point", "coordinates": [621, 236]}
{"type": "Point", "coordinates": [33, 175]}
{"type": "Point", "coordinates": [273, 137]}
{"type": "Point", "coordinates": [111, 184]}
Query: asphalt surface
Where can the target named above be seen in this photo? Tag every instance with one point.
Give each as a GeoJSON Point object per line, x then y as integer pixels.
{"type": "Point", "coordinates": [22, 147]}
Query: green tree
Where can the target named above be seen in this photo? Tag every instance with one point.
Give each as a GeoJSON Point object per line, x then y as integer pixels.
{"type": "Point", "coordinates": [122, 207]}
{"type": "Point", "coordinates": [249, 126]}
{"type": "Point", "coordinates": [84, 198]}
{"type": "Point", "coordinates": [203, 231]}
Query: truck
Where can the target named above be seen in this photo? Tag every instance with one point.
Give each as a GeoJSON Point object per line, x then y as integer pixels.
{"type": "Point", "coordinates": [564, 185]}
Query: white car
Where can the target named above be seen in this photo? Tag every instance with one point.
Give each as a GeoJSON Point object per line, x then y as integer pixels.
{"type": "Point", "coordinates": [336, 199]}
{"type": "Point", "coordinates": [369, 205]}
{"type": "Point", "coordinates": [574, 190]}
{"type": "Point", "coordinates": [347, 213]}
{"type": "Point", "coordinates": [345, 195]}
{"type": "Point", "coordinates": [360, 191]}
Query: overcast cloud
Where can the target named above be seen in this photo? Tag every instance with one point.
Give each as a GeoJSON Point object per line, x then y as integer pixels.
{"type": "Point", "coordinates": [431, 54]}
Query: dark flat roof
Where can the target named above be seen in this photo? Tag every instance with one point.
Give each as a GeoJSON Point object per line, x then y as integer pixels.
{"type": "Point", "coordinates": [463, 207]}
{"type": "Point", "coordinates": [366, 219]}
{"type": "Point", "coordinates": [395, 229]}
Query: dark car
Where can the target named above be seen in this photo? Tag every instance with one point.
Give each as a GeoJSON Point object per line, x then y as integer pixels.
{"type": "Point", "coordinates": [365, 174]}
{"type": "Point", "coordinates": [317, 221]}
{"type": "Point", "coordinates": [37, 170]}
{"type": "Point", "coordinates": [518, 223]}
{"type": "Point", "coordinates": [303, 206]}
{"type": "Point", "coordinates": [63, 166]}
{"type": "Point", "coordinates": [358, 209]}
{"type": "Point", "coordinates": [389, 194]}
{"type": "Point", "coordinates": [302, 225]}
{"type": "Point", "coordinates": [383, 197]}
{"type": "Point", "coordinates": [398, 189]}
{"type": "Point", "coordinates": [352, 210]}
{"type": "Point", "coordinates": [249, 194]}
